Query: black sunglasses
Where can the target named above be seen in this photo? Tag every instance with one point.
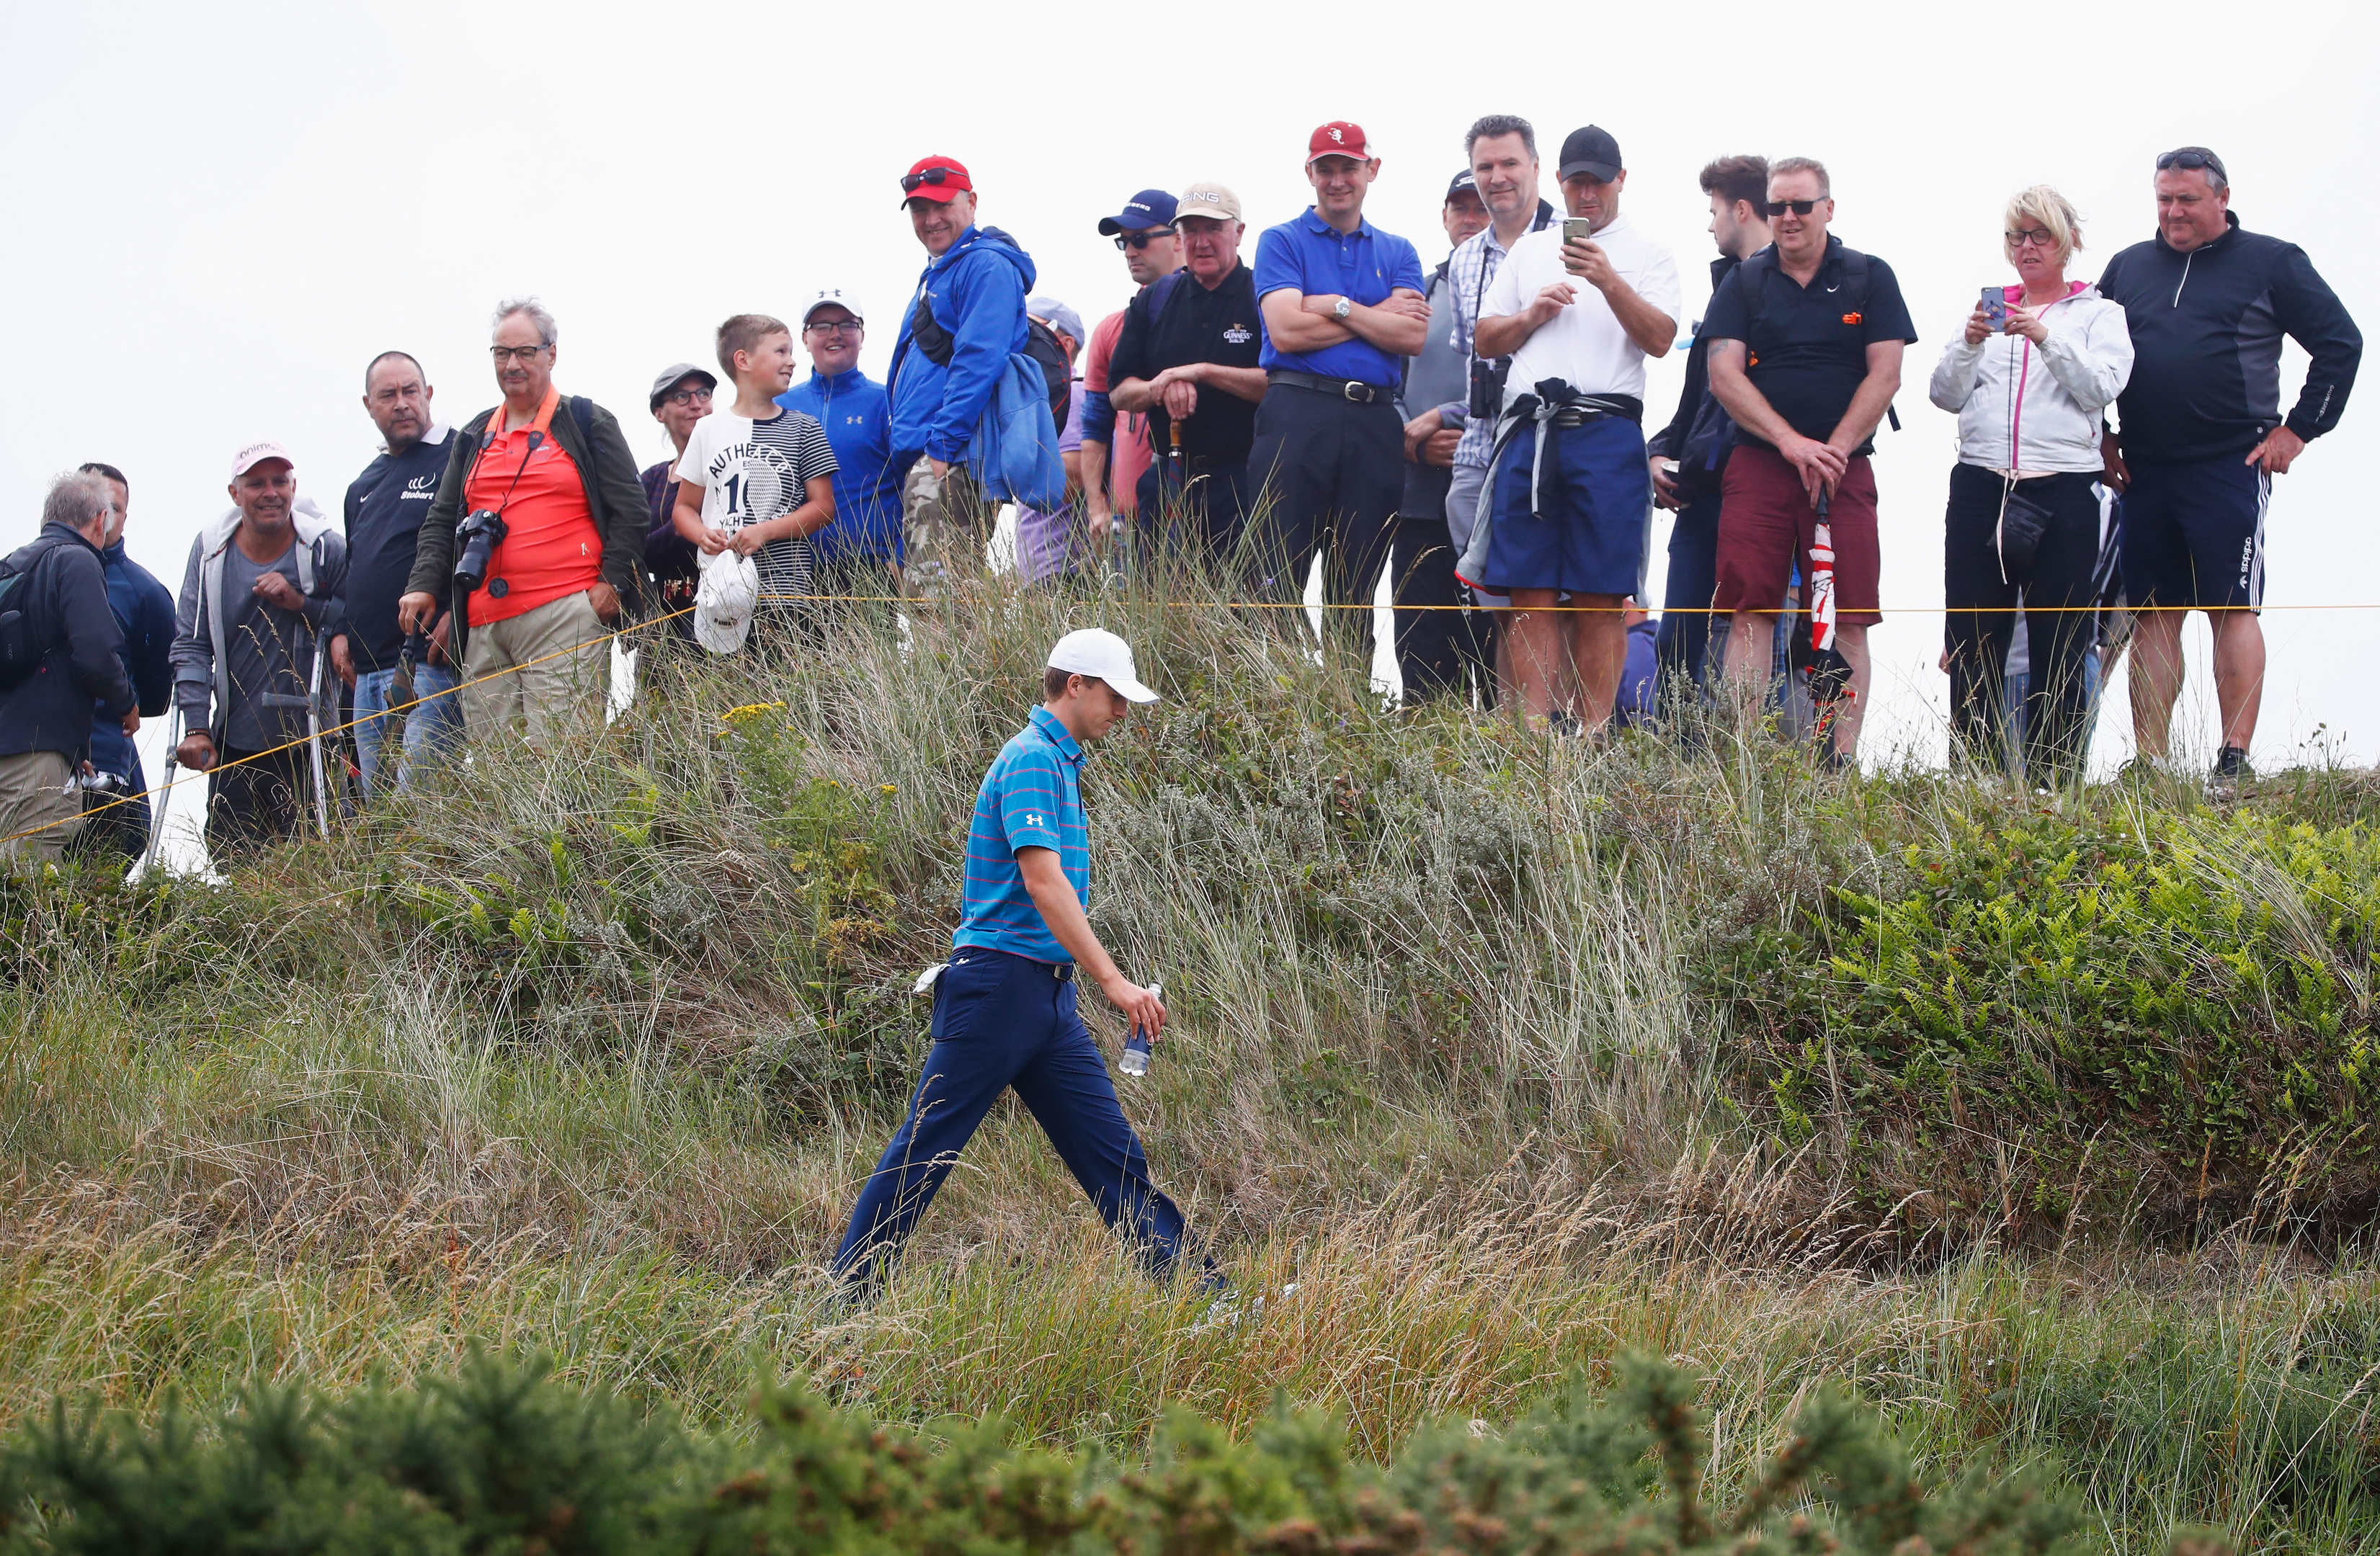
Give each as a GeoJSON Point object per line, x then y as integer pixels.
{"type": "Point", "coordinates": [934, 175]}
{"type": "Point", "coordinates": [1140, 240]}
{"type": "Point", "coordinates": [1797, 207]}
{"type": "Point", "coordinates": [2191, 161]}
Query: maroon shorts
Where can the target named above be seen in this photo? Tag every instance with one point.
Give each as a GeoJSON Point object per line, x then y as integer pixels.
{"type": "Point", "coordinates": [1766, 524]}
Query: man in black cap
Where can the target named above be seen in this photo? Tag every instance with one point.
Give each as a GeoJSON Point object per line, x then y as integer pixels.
{"type": "Point", "coordinates": [1115, 454]}
{"type": "Point", "coordinates": [1434, 642]}
{"type": "Point", "coordinates": [681, 397]}
{"type": "Point", "coordinates": [1188, 361]}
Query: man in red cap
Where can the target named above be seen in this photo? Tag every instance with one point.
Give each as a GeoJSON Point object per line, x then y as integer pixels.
{"type": "Point", "coordinates": [1342, 303]}
{"type": "Point", "coordinates": [965, 319]}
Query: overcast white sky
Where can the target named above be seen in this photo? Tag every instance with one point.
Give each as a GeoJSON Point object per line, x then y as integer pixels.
{"type": "Point", "coordinates": [223, 211]}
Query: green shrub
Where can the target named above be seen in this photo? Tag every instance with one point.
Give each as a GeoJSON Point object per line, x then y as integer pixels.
{"type": "Point", "coordinates": [499, 1459]}
{"type": "Point", "coordinates": [2165, 1016]}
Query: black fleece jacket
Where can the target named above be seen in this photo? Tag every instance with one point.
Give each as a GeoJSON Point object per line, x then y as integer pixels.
{"type": "Point", "coordinates": [50, 709]}
{"type": "Point", "coordinates": [2206, 331]}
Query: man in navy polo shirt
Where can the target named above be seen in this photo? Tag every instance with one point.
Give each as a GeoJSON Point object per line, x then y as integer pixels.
{"type": "Point", "coordinates": [1341, 302]}
{"type": "Point", "coordinates": [1004, 1011]}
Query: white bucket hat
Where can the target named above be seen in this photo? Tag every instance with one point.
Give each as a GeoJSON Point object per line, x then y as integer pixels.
{"type": "Point", "coordinates": [724, 601]}
{"type": "Point", "coordinates": [1103, 655]}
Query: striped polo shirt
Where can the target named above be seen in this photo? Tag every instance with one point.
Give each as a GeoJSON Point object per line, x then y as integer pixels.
{"type": "Point", "coordinates": [1032, 798]}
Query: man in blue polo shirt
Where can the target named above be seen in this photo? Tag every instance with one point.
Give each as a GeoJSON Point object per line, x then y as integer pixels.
{"type": "Point", "coordinates": [1341, 302]}
{"type": "Point", "coordinates": [1004, 1012]}
{"type": "Point", "coordinates": [859, 554]}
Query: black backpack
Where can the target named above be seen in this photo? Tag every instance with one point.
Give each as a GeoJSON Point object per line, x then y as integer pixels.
{"type": "Point", "coordinates": [1041, 345]}
{"type": "Point", "coordinates": [23, 642]}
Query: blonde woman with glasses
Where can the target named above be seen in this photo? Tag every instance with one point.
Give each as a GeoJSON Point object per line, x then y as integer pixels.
{"type": "Point", "coordinates": [2028, 378]}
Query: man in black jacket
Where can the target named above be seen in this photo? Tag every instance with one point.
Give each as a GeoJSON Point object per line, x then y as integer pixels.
{"type": "Point", "coordinates": [387, 507]}
{"type": "Point", "coordinates": [46, 716]}
{"type": "Point", "coordinates": [2203, 434]}
{"type": "Point", "coordinates": [1738, 189]}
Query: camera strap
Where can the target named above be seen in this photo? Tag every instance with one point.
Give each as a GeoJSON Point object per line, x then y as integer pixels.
{"type": "Point", "coordinates": [537, 431]}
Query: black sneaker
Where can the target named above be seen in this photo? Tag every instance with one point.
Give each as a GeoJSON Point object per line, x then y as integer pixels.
{"type": "Point", "coordinates": [2232, 767]}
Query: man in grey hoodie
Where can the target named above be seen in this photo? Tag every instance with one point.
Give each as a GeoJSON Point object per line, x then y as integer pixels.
{"type": "Point", "coordinates": [263, 585]}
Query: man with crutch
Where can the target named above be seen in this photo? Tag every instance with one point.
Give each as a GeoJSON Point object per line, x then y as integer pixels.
{"type": "Point", "coordinates": [263, 583]}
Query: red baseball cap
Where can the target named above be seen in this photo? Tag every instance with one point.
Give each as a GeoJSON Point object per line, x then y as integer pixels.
{"type": "Point", "coordinates": [1338, 138]}
{"type": "Point", "coordinates": [935, 178]}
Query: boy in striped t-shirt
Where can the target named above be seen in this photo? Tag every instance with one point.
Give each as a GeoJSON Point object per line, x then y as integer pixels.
{"type": "Point", "coordinates": [757, 477]}
{"type": "Point", "coordinates": [1004, 1012]}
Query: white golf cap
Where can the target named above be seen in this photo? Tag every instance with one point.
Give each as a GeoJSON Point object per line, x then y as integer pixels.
{"type": "Point", "coordinates": [835, 296]}
{"type": "Point", "coordinates": [1103, 655]}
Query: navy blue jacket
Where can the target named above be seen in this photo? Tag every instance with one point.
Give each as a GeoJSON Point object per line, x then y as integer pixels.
{"type": "Point", "coordinates": [2206, 330]}
{"type": "Point", "coordinates": [49, 709]}
{"type": "Point", "coordinates": [144, 613]}
{"type": "Point", "coordinates": [385, 509]}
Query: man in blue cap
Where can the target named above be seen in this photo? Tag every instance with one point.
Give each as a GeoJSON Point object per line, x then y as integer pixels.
{"type": "Point", "coordinates": [1117, 463]}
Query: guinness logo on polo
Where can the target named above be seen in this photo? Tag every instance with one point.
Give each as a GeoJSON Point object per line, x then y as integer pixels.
{"type": "Point", "coordinates": [1237, 334]}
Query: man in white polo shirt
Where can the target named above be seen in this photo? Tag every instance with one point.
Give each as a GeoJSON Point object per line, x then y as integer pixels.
{"type": "Point", "coordinates": [1578, 307]}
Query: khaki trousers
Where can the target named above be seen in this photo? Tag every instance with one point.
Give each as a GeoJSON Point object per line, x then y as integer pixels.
{"type": "Point", "coordinates": [34, 793]}
{"type": "Point", "coordinates": [535, 698]}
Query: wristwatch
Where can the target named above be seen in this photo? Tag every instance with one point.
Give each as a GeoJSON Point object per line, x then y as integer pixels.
{"type": "Point", "coordinates": [1342, 308]}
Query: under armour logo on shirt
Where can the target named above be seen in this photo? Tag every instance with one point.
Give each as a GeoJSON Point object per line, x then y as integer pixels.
{"type": "Point", "coordinates": [1033, 818]}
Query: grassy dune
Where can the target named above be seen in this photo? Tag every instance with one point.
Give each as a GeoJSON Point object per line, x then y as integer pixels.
{"type": "Point", "coordinates": [2039, 1121]}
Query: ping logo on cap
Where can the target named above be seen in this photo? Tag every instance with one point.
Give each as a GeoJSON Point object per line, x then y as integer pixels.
{"type": "Point", "coordinates": [1209, 198]}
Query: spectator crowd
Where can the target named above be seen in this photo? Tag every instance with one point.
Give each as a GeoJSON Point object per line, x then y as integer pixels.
{"type": "Point", "coordinates": [1310, 398]}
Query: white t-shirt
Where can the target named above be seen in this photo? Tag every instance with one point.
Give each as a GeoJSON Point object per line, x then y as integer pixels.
{"type": "Point", "coordinates": [752, 472]}
{"type": "Point", "coordinates": [1583, 344]}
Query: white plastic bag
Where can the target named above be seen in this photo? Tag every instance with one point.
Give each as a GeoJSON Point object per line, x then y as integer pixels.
{"type": "Point", "coordinates": [724, 602]}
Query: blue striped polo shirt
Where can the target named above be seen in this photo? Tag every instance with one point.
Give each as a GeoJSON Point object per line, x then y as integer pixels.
{"type": "Point", "coordinates": [1032, 798]}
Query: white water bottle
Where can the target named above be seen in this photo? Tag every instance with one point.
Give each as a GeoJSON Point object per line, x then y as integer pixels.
{"type": "Point", "coordinates": [1135, 1060]}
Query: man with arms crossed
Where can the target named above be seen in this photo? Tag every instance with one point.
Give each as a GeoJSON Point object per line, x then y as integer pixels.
{"type": "Point", "coordinates": [1115, 444]}
{"type": "Point", "coordinates": [1578, 316]}
{"type": "Point", "coordinates": [1805, 355]}
{"type": "Point", "coordinates": [1004, 1010]}
{"type": "Point", "coordinates": [2203, 436]}
{"type": "Point", "coordinates": [1341, 302]}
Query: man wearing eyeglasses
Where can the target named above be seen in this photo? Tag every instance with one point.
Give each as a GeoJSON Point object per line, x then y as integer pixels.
{"type": "Point", "coordinates": [1188, 360]}
{"type": "Point", "coordinates": [532, 637]}
{"type": "Point", "coordinates": [1118, 465]}
{"type": "Point", "coordinates": [2201, 435]}
{"type": "Point", "coordinates": [1805, 344]}
{"type": "Point", "coordinates": [681, 396]}
{"type": "Point", "coordinates": [859, 554]}
{"type": "Point", "coordinates": [964, 322]}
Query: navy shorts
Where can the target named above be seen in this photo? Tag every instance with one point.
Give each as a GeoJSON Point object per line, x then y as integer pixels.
{"type": "Point", "coordinates": [2195, 535]}
{"type": "Point", "coordinates": [1596, 502]}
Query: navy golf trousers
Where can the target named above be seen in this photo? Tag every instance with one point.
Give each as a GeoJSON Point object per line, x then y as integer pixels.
{"type": "Point", "coordinates": [1002, 1021]}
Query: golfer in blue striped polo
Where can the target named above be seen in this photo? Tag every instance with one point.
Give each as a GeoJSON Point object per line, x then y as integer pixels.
{"type": "Point", "coordinates": [1004, 1012]}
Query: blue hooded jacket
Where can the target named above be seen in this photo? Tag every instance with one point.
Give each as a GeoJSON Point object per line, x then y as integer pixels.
{"type": "Point", "coordinates": [978, 289]}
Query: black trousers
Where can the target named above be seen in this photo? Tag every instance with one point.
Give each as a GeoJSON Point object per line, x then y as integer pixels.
{"type": "Point", "coordinates": [1683, 641]}
{"type": "Point", "coordinates": [1198, 520]}
{"type": "Point", "coordinates": [1331, 472]}
{"type": "Point", "coordinates": [1437, 650]}
{"type": "Point", "coordinates": [1983, 621]}
{"type": "Point", "coordinates": [257, 802]}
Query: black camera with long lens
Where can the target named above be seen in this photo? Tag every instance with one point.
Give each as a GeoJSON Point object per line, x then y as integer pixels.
{"type": "Point", "coordinates": [480, 533]}
{"type": "Point", "coordinates": [1488, 387]}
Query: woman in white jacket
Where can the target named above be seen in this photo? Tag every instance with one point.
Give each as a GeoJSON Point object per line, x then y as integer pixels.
{"type": "Point", "coordinates": [2023, 520]}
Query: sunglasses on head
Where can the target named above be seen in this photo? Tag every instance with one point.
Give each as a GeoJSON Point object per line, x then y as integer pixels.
{"type": "Point", "coordinates": [2188, 161]}
{"type": "Point", "coordinates": [1140, 240]}
{"type": "Point", "coordinates": [1797, 207]}
{"type": "Point", "coordinates": [934, 175]}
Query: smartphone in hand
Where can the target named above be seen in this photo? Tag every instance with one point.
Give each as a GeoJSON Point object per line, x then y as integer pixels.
{"type": "Point", "coordinates": [1996, 307]}
{"type": "Point", "coordinates": [1577, 229]}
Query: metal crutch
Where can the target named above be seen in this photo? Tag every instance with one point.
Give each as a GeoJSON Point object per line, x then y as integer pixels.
{"type": "Point", "coordinates": [165, 790]}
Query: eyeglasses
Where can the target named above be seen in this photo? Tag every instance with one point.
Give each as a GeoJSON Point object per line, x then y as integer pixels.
{"type": "Point", "coordinates": [938, 177]}
{"type": "Point", "coordinates": [1140, 240]}
{"type": "Point", "coordinates": [1797, 207]}
{"type": "Point", "coordinates": [523, 355]}
{"type": "Point", "coordinates": [2040, 237]}
{"type": "Point", "coordinates": [685, 396]}
{"type": "Point", "coordinates": [2191, 161]}
{"type": "Point", "coordinates": [836, 326]}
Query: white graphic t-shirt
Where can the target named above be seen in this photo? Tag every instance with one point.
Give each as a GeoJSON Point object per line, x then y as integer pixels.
{"type": "Point", "coordinates": [752, 472]}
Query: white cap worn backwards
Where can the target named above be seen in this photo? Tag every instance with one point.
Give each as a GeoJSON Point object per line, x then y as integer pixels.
{"type": "Point", "coordinates": [1104, 655]}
